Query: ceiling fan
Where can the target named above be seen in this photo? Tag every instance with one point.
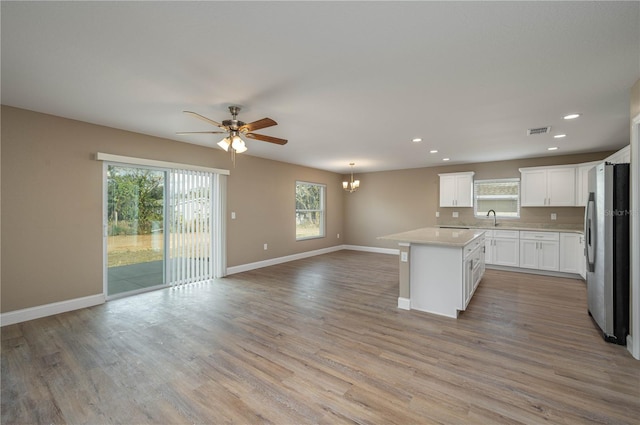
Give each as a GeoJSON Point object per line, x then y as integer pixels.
{"type": "Point", "coordinates": [235, 128]}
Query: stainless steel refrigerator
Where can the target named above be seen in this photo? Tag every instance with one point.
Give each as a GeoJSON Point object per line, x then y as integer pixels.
{"type": "Point", "coordinates": [607, 249]}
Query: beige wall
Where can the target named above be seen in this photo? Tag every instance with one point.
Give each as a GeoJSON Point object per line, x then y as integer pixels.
{"type": "Point", "coordinates": [262, 194]}
{"type": "Point", "coordinates": [52, 204]}
{"type": "Point", "coordinates": [396, 201]}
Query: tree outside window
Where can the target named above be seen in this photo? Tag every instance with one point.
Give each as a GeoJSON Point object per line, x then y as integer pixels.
{"type": "Point", "coordinates": [310, 210]}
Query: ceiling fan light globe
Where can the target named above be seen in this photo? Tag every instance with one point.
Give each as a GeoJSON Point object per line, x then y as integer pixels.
{"type": "Point", "coordinates": [238, 144]}
{"type": "Point", "coordinates": [224, 144]}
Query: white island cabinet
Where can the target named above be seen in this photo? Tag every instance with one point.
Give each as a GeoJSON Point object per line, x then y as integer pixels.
{"type": "Point", "coordinates": [445, 267]}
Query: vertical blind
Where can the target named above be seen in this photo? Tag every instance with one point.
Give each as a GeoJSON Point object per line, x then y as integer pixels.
{"type": "Point", "coordinates": [190, 255]}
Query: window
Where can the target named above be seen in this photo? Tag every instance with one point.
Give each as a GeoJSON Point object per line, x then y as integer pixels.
{"type": "Point", "coordinates": [502, 196]}
{"type": "Point", "coordinates": [310, 214]}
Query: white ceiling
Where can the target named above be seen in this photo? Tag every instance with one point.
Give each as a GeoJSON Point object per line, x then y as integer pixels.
{"type": "Point", "coordinates": [346, 81]}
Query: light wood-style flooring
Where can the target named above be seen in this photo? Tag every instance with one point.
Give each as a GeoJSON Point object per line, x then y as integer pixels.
{"type": "Point", "coordinates": [321, 341]}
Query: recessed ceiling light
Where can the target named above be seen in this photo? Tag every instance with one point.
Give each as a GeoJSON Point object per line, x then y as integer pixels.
{"type": "Point", "coordinates": [445, 159]}
{"type": "Point", "coordinates": [571, 116]}
{"type": "Point", "coordinates": [554, 148]}
{"type": "Point", "coordinates": [416, 140]}
{"type": "Point", "coordinates": [433, 151]}
{"type": "Point", "coordinates": [559, 136]}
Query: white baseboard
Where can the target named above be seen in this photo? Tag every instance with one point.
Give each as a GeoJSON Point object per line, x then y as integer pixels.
{"type": "Point", "coordinates": [280, 260]}
{"type": "Point", "coordinates": [273, 261]}
{"type": "Point", "coordinates": [390, 251]}
{"type": "Point", "coordinates": [37, 312]}
{"type": "Point", "coordinates": [404, 303]}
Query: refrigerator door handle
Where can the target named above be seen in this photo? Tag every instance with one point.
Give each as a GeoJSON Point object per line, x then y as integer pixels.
{"type": "Point", "coordinates": [589, 232]}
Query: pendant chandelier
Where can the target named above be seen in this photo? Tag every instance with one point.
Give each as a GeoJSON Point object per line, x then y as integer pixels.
{"type": "Point", "coordinates": [353, 185]}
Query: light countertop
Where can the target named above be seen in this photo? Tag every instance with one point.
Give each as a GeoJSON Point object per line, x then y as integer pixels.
{"type": "Point", "coordinates": [528, 227]}
{"type": "Point", "coordinates": [436, 236]}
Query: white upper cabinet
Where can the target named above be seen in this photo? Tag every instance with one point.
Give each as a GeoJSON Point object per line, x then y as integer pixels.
{"type": "Point", "coordinates": [582, 182]}
{"type": "Point", "coordinates": [623, 156]}
{"type": "Point", "coordinates": [456, 189]}
{"type": "Point", "coordinates": [548, 186]}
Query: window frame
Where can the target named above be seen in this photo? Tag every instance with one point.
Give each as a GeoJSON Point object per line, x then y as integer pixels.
{"type": "Point", "coordinates": [322, 210]}
{"type": "Point", "coordinates": [516, 197]}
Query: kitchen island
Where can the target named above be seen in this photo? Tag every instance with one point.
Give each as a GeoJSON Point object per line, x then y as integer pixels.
{"type": "Point", "coordinates": [439, 268]}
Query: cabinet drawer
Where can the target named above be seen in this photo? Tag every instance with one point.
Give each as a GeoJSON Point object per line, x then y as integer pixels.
{"type": "Point", "coordinates": [540, 236]}
{"type": "Point", "coordinates": [471, 247]}
{"type": "Point", "coordinates": [509, 234]}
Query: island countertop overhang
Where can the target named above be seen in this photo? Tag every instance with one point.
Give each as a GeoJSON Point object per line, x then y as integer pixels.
{"type": "Point", "coordinates": [436, 236]}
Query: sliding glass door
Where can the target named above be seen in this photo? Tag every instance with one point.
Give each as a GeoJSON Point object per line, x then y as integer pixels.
{"type": "Point", "coordinates": [163, 226]}
{"type": "Point", "coordinates": [135, 229]}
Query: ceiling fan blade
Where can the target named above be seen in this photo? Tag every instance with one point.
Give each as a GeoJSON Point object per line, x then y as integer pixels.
{"type": "Point", "coordinates": [257, 125]}
{"type": "Point", "coordinates": [200, 132]}
{"type": "Point", "coordinates": [264, 138]}
{"type": "Point", "coordinates": [203, 118]}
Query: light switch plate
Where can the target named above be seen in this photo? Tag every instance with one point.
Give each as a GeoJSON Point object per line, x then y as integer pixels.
{"type": "Point", "coordinates": [233, 215]}
{"type": "Point", "coordinates": [404, 257]}
{"type": "Point", "coordinates": [437, 214]}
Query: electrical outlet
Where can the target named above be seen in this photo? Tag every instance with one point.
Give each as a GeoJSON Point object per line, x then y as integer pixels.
{"type": "Point", "coordinates": [437, 214]}
{"type": "Point", "coordinates": [554, 216]}
{"type": "Point", "coordinates": [454, 214]}
{"type": "Point", "coordinates": [404, 256]}
{"type": "Point", "coordinates": [265, 247]}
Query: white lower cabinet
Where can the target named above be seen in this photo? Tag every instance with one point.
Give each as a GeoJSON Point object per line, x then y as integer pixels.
{"type": "Point", "coordinates": [506, 248]}
{"type": "Point", "coordinates": [572, 253]}
{"type": "Point", "coordinates": [502, 247]}
{"type": "Point", "coordinates": [540, 250]}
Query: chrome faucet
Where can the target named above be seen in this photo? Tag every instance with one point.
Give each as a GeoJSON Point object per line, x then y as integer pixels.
{"type": "Point", "coordinates": [494, 217]}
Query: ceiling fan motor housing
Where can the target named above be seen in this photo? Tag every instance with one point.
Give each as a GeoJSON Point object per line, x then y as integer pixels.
{"type": "Point", "coordinates": [233, 124]}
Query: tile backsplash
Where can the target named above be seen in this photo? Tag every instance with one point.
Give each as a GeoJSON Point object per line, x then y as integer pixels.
{"type": "Point", "coordinates": [537, 217]}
